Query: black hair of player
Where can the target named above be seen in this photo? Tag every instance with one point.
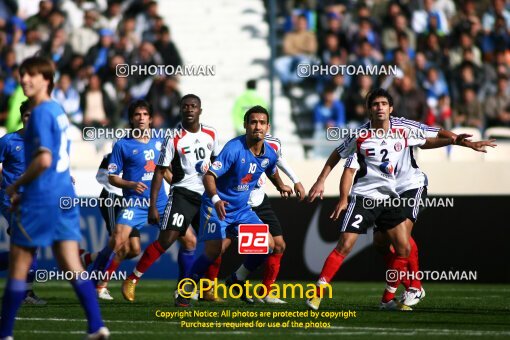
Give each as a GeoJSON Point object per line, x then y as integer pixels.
{"type": "Point", "coordinates": [137, 104]}
{"type": "Point", "coordinates": [24, 107]}
{"type": "Point", "coordinates": [251, 84]}
{"type": "Point", "coordinates": [192, 96]}
{"type": "Point", "coordinates": [379, 92]}
{"type": "Point", "coordinates": [255, 109]}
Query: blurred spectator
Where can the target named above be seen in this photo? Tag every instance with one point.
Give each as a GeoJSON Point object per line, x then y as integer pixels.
{"type": "Point", "coordinates": [97, 57]}
{"type": "Point", "coordinates": [9, 69]}
{"type": "Point", "coordinates": [69, 98]}
{"type": "Point", "coordinates": [299, 47]}
{"type": "Point", "coordinates": [128, 30]}
{"type": "Point", "coordinates": [366, 55]}
{"type": "Point", "coordinates": [468, 111]}
{"type": "Point", "coordinates": [118, 92]}
{"type": "Point", "coordinates": [113, 15]}
{"type": "Point", "coordinates": [29, 47]}
{"type": "Point", "coordinates": [435, 86]}
{"type": "Point", "coordinates": [246, 100]}
{"type": "Point", "coordinates": [355, 101]}
{"type": "Point", "coordinates": [328, 113]}
{"type": "Point", "coordinates": [466, 44]}
{"type": "Point", "coordinates": [497, 106]}
{"type": "Point", "coordinates": [145, 21]}
{"type": "Point", "coordinates": [430, 20]}
{"type": "Point", "coordinates": [367, 32]}
{"type": "Point", "coordinates": [13, 122]}
{"type": "Point", "coordinates": [334, 26]}
{"type": "Point", "coordinates": [408, 100]}
{"type": "Point", "coordinates": [167, 48]}
{"type": "Point", "coordinates": [390, 34]}
{"type": "Point", "coordinates": [41, 20]}
{"type": "Point", "coordinates": [3, 103]}
{"type": "Point", "coordinates": [97, 107]}
{"type": "Point", "coordinates": [83, 38]}
{"type": "Point", "coordinates": [490, 17]}
{"type": "Point", "coordinates": [57, 20]}
{"type": "Point", "coordinates": [433, 51]}
{"type": "Point", "coordinates": [466, 74]}
{"type": "Point", "coordinates": [165, 97]}
{"type": "Point", "coordinates": [58, 50]}
{"type": "Point", "coordinates": [441, 115]}
{"type": "Point", "coordinates": [331, 48]}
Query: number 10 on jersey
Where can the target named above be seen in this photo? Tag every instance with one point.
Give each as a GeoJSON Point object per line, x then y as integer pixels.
{"type": "Point", "coordinates": [253, 239]}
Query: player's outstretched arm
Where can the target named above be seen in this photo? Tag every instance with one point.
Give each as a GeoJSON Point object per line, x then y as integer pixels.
{"type": "Point", "coordinates": [318, 187]}
{"type": "Point", "coordinates": [41, 162]}
{"type": "Point", "coordinates": [209, 181]}
{"type": "Point", "coordinates": [458, 140]}
{"type": "Point", "coordinates": [159, 173]}
{"type": "Point", "coordinates": [287, 169]}
{"type": "Point", "coordinates": [285, 190]}
{"type": "Point", "coordinates": [345, 188]}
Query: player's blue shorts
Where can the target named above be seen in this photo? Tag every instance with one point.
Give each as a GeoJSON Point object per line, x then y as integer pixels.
{"type": "Point", "coordinates": [40, 225]}
{"type": "Point", "coordinates": [212, 228]}
{"type": "Point", "coordinates": [136, 217]}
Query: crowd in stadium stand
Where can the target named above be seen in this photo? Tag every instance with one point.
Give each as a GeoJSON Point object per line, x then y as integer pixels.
{"type": "Point", "coordinates": [454, 58]}
{"type": "Point", "coordinates": [86, 40]}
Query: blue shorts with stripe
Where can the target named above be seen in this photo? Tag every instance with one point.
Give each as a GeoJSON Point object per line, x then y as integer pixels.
{"type": "Point", "coordinates": [40, 225]}
{"type": "Point", "coordinates": [363, 213]}
{"type": "Point", "coordinates": [212, 228]}
{"type": "Point", "coordinates": [137, 217]}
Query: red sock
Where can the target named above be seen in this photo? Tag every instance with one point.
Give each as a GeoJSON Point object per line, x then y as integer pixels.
{"type": "Point", "coordinates": [331, 266]}
{"type": "Point", "coordinates": [150, 255]}
{"type": "Point", "coordinates": [388, 258]}
{"type": "Point", "coordinates": [213, 270]}
{"type": "Point", "coordinates": [114, 265]}
{"type": "Point", "coordinates": [413, 265]}
{"type": "Point", "coordinates": [271, 270]}
{"type": "Point", "coordinates": [398, 265]}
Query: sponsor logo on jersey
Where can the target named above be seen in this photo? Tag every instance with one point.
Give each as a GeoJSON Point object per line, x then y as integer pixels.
{"type": "Point", "coordinates": [242, 187]}
{"type": "Point", "coordinates": [209, 146]}
{"type": "Point", "coordinates": [217, 165]}
{"type": "Point", "coordinates": [197, 141]}
{"type": "Point", "coordinates": [398, 146]}
{"type": "Point", "coordinates": [386, 168]}
{"type": "Point", "coordinates": [18, 148]}
{"type": "Point", "coordinates": [265, 163]}
{"type": "Point", "coordinates": [112, 167]}
{"type": "Point", "coordinates": [135, 151]}
{"type": "Point", "coordinates": [243, 160]}
{"type": "Point", "coordinates": [246, 179]}
{"type": "Point", "coordinates": [147, 176]}
{"type": "Point", "coordinates": [383, 143]}
{"type": "Point", "coordinates": [150, 166]}
{"type": "Point", "coordinates": [159, 146]}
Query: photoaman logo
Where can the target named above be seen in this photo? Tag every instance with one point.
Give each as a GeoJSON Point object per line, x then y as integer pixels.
{"type": "Point", "coordinates": [253, 239]}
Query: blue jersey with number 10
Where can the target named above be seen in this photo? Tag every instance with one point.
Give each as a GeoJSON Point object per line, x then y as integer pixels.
{"type": "Point", "coordinates": [47, 130]}
{"type": "Point", "coordinates": [237, 171]}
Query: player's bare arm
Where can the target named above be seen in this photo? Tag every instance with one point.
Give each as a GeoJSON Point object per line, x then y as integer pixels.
{"type": "Point", "coordinates": [433, 143]}
{"type": "Point", "coordinates": [210, 188]}
{"type": "Point", "coordinates": [118, 182]}
{"type": "Point", "coordinates": [318, 188]}
{"type": "Point", "coordinates": [479, 146]}
{"type": "Point", "coordinates": [41, 162]}
{"type": "Point", "coordinates": [345, 189]}
{"type": "Point", "coordinates": [159, 173]}
{"type": "Point", "coordinates": [299, 189]}
{"type": "Point", "coordinates": [285, 190]}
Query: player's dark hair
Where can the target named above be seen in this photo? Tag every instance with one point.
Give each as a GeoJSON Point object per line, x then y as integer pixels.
{"type": "Point", "coordinates": [192, 96]}
{"type": "Point", "coordinates": [379, 92]}
{"type": "Point", "coordinates": [251, 84]}
{"type": "Point", "coordinates": [24, 107]}
{"type": "Point", "coordinates": [138, 104]}
{"type": "Point", "coordinates": [255, 109]}
{"type": "Point", "coordinates": [36, 65]}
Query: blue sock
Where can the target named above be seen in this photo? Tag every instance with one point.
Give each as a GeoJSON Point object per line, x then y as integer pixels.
{"type": "Point", "coordinates": [199, 267]}
{"type": "Point", "coordinates": [252, 262]}
{"type": "Point", "coordinates": [87, 295]}
{"type": "Point", "coordinates": [4, 260]}
{"type": "Point", "coordinates": [32, 270]}
{"type": "Point", "coordinates": [102, 259]}
{"type": "Point", "coordinates": [185, 260]}
{"type": "Point", "coordinates": [13, 297]}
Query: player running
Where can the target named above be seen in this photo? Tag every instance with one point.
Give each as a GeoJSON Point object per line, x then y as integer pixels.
{"type": "Point", "coordinates": [187, 153]}
{"type": "Point", "coordinates": [228, 184]}
{"type": "Point", "coordinates": [259, 203]}
{"type": "Point", "coordinates": [412, 187]}
{"type": "Point", "coordinates": [134, 158]}
{"type": "Point", "coordinates": [379, 157]}
{"type": "Point", "coordinates": [38, 221]}
{"type": "Point", "coordinates": [12, 158]}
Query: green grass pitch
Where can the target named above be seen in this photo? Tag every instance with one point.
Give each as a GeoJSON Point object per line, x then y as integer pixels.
{"type": "Point", "coordinates": [456, 311]}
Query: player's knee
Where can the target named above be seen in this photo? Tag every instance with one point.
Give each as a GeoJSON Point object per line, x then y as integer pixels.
{"type": "Point", "coordinates": [134, 251]}
{"type": "Point", "coordinates": [189, 243]}
{"type": "Point", "coordinates": [344, 246]}
{"type": "Point", "coordinates": [402, 250]}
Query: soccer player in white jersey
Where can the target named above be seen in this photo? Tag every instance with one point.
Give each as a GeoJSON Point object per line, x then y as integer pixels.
{"type": "Point", "coordinates": [260, 204]}
{"type": "Point", "coordinates": [412, 187]}
{"type": "Point", "coordinates": [378, 158]}
{"type": "Point", "coordinates": [187, 153]}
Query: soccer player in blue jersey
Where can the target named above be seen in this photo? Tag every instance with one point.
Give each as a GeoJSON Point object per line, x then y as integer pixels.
{"type": "Point", "coordinates": [38, 221]}
{"type": "Point", "coordinates": [12, 158]}
{"type": "Point", "coordinates": [135, 158]}
{"type": "Point", "coordinates": [228, 184]}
